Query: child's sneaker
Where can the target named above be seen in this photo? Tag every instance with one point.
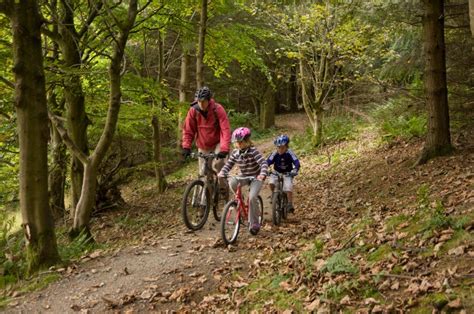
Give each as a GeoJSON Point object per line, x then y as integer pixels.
{"type": "Point", "coordinates": [290, 208]}
{"type": "Point", "coordinates": [255, 229]}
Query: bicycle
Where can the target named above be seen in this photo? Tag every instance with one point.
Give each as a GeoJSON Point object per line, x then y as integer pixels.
{"type": "Point", "coordinates": [197, 198]}
{"type": "Point", "coordinates": [236, 212]}
{"type": "Point", "coordinates": [279, 199]}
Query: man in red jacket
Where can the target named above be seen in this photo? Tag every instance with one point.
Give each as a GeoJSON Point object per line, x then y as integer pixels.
{"type": "Point", "coordinates": [207, 123]}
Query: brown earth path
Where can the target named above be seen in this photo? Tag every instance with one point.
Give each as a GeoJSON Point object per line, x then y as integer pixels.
{"type": "Point", "coordinates": [181, 266]}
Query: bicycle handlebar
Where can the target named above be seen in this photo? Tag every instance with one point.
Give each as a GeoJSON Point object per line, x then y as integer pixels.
{"type": "Point", "coordinates": [279, 174]}
{"type": "Point", "coordinates": [251, 178]}
{"type": "Point", "coordinates": [203, 155]}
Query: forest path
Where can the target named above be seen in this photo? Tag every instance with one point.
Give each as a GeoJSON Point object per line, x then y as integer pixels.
{"type": "Point", "coordinates": [180, 266]}
{"type": "Point", "coordinates": [361, 199]}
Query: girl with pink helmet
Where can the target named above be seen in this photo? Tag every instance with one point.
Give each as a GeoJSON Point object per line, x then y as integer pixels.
{"type": "Point", "coordinates": [251, 163]}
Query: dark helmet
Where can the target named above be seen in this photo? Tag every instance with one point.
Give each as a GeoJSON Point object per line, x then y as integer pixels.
{"type": "Point", "coordinates": [282, 140]}
{"type": "Point", "coordinates": [204, 93]}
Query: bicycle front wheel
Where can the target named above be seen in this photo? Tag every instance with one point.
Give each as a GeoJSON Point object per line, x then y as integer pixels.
{"type": "Point", "coordinates": [219, 202]}
{"type": "Point", "coordinates": [230, 222]}
{"type": "Point", "coordinates": [195, 207]}
{"type": "Point", "coordinates": [276, 208]}
{"type": "Point", "coordinates": [260, 210]}
{"type": "Point", "coordinates": [284, 206]}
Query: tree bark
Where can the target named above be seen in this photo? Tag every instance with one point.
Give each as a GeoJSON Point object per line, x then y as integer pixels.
{"type": "Point", "coordinates": [471, 16]}
{"type": "Point", "coordinates": [159, 173]}
{"type": "Point", "coordinates": [87, 199]}
{"type": "Point", "coordinates": [33, 133]}
{"type": "Point", "coordinates": [183, 85]}
{"type": "Point", "coordinates": [57, 174]}
{"type": "Point", "coordinates": [438, 138]}
{"type": "Point", "coordinates": [267, 111]}
{"type": "Point", "coordinates": [201, 45]}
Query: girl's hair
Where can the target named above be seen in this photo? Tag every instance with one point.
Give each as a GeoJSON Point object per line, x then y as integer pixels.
{"type": "Point", "coordinates": [248, 142]}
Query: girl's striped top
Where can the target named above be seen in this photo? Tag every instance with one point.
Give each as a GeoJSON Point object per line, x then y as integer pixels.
{"type": "Point", "coordinates": [250, 162]}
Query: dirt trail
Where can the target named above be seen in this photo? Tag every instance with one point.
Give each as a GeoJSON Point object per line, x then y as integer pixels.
{"type": "Point", "coordinates": [183, 266]}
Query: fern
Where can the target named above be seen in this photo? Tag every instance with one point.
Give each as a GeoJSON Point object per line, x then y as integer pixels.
{"type": "Point", "coordinates": [338, 263]}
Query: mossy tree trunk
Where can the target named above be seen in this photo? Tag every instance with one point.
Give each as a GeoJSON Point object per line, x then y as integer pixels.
{"type": "Point", "coordinates": [57, 170]}
{"type": "Point", "coordinates": [33, 133]}
{"type": "Point", "coordinates": [155, 122]}
{"type": "Point", "coordinates": [183, 86]}
{"type": "Point", "coordinates": [201, 45]}
{"type": "Point", "coordinates": [57, 174]}
{"type": "Point", "coordinates": [267, 110]}
{"type": "Point", "coordinates": [438, 137]}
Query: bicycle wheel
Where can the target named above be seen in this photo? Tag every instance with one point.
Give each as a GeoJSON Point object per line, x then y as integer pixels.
{"type": "Point", "coordinates": [284, 206]}
{"type": "Point", "coordinates": [194, 212]}
{"type": "Point", "coordinates": [230, 222]}
{"type": "Point", "coordinates": [219, 203]}
{"type": "Point", "coordinates": [276, 209]}
{"type": "Point", "coordinates": [260, 210]}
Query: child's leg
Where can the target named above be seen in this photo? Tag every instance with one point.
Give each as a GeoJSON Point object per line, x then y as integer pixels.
{"type": "Point", "coordinates": [233, 182]}
{"type": "Point", "coordinates": [255, 187]}
{"type": "Point", "coordinates": [288, 189]}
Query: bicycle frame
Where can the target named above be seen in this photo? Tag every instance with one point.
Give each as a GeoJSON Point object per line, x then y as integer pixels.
{"type": "Point", "coordinates": [209, 174]}
{"type": "Point", "coordinates": [243, 208]}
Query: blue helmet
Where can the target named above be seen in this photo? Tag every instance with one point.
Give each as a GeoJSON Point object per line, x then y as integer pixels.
{"type": "Point", "coordinates": [282, 140]}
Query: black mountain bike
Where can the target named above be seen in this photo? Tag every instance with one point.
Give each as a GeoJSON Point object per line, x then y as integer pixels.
{"type": "Point", "coordinates": [201, 195]}
{"type": "Point", "coordinates": [279, 199]}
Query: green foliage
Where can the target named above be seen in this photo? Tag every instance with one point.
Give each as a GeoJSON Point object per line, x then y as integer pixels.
{"type": "Point", "coordinates": [380, 253]}
{"type": "Point", "coordinates": [267, 287]}
{"type": "Point", "coordinates": [338, 263]}
{"type": "Point", "coordinates": [77, 247]}
{"type": "Point", "coordinates": [12, 261]}
{"type": "Point", "coordinates": [339, 128]}
{"type": "Point", "coordinates": [398, 119]}
{"type": "Point", "coordinates": [310, 256]}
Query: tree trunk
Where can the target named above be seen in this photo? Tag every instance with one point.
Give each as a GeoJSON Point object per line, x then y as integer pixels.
{"type": "Point", "coordinates": [33, 134]}
{"type": "Point", "coordinates": [158, 160]}
{"type": "Point", "coordinates": [471, 16]}
{"type": "Point", "coordinates": [293, 93]}
{"type": "Point", "coordinates": [201, 46]}
{"type": "Point", "coordinates": [87, 200]}
{"type": "Point", "coordinates": [438, 138]}
{"type": "Point", "coordinates": [77, 120]}
{"type": "Point", "coordinates": [267, 111]}
{"type": "Point", "coordinates": [159, 173]}
{"type": "Point", "coordinates": [57, 174]}
{"type": "Point", "coordinates": [183, 85]}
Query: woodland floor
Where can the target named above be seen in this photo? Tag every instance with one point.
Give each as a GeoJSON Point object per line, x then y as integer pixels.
{"type": "Point", "coordinates": [364, 238]}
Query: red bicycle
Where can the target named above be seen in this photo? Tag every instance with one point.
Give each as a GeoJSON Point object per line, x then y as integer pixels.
{"type": "Point", "coordinates": [236, 212]}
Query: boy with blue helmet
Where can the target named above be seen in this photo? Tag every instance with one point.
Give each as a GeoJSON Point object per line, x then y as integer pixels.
{"type": "Point", "coordinates": [284, 161]}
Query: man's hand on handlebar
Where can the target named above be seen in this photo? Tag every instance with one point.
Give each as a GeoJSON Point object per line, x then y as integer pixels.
{"type": "Point", "coordinates": [222, 155]}
{"type": "Point", "coordinates": [186, 152]}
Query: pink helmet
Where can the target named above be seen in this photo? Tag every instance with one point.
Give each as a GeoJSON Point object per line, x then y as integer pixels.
{"type": "Point", "coordinates": [240, 134]}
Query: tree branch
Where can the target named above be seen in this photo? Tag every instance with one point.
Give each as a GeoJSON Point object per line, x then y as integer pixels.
{"type": "Point", "coordinates": [7, 82]}
{"type": "Point", "coordinates": [93, 13]}
{"type": "Point", "coordinates": [56, 122]}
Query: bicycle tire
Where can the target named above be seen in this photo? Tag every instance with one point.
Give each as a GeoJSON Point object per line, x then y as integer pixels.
{"type": "Point", "coordinates": [284, 206]}
{"type": "Point", "coordinates": [230, 222]}
{"type": "Point", "coordinates": [276, 208]}
{"type": "Point", "coordinates": [261, 210]}
{"type": "Point", "coordinates": [192, 217]}
{"type": "Point", "coordinates": [217, 200]}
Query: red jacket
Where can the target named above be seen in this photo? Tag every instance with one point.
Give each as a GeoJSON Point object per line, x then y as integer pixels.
{"type": "Point", "coordinates": [204, 129]}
